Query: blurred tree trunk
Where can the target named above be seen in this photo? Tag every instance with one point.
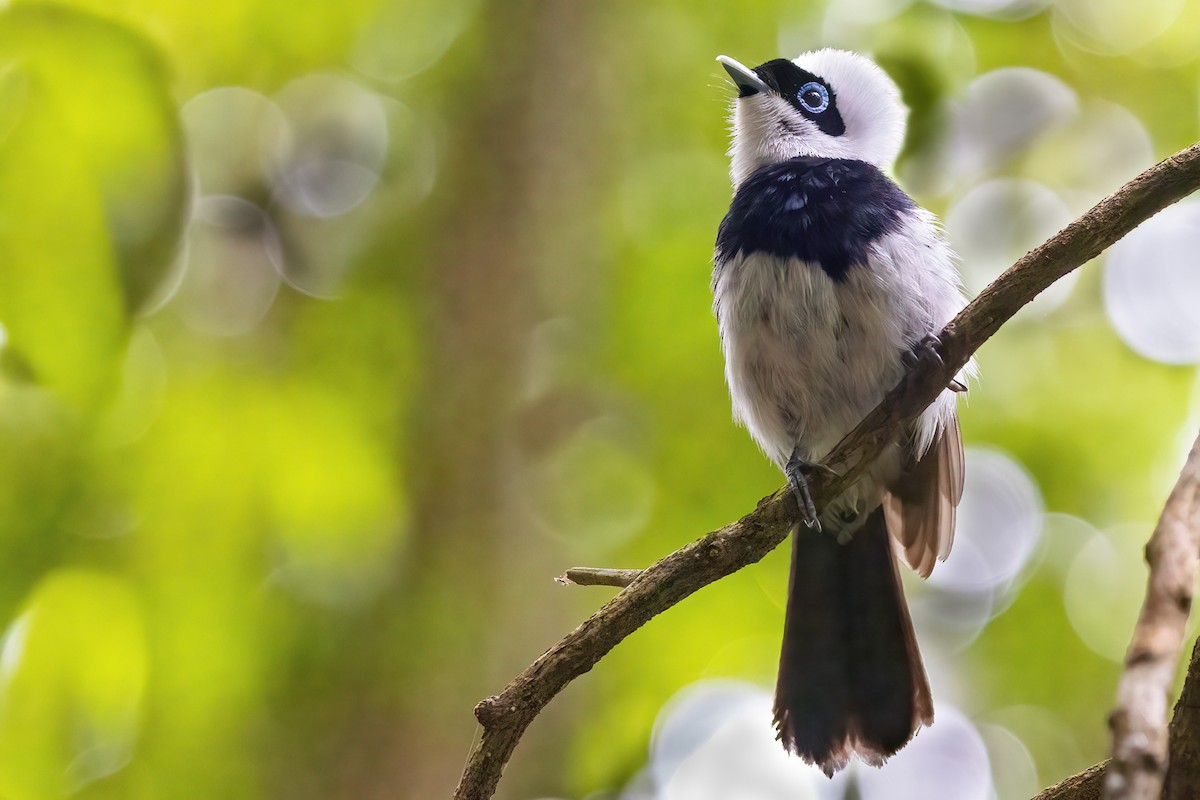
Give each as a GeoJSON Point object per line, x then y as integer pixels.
{"type": "Point", "coordinates": [515, 201]}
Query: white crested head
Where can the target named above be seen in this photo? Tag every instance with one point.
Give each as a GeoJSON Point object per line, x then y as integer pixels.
{"type": "Point", "coordinates": [828, 103]}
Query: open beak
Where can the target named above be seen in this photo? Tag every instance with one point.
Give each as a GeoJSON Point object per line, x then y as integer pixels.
{"type": "Point", "coordinates": [747, 82]}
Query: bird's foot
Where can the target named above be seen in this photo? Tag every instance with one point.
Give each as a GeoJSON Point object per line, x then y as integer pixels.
{"type": "Point", "coordinates": [927, 349]}
{"type": "Point", "coordinates": [797, 470]}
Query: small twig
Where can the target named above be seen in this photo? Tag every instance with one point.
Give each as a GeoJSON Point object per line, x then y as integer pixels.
{"type": "Point", "coordinates": [1139, 720]}
{"type": "Point", "coordinates": [666, 582]}
{"type": "Point", "coordinates": [596, 576]}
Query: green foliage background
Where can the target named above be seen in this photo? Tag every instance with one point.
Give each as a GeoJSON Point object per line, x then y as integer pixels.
{"type": "Point", "coordinates": [287, 562]}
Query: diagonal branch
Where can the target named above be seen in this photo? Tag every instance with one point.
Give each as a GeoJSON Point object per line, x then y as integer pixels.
{"type": "Point", "coordinates": [1139, 721]}
{"type": "Point", "coordinates": [666, 582]}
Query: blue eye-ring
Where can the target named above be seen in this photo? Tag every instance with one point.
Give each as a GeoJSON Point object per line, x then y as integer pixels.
{"type": "Point", "coordinates": [813, 97]}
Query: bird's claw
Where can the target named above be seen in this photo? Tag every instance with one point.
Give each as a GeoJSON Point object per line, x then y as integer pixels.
{"type": "Point", "coordinates": [926, 348]}
{"type": "Point", "coordinates": [798, 483]}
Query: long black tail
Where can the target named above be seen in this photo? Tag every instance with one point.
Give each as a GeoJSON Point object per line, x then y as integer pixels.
{"type": "Point", "coordinates": [851, 679]}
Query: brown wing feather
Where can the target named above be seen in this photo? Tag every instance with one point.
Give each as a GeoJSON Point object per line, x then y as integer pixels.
{"type": "Point", "coordinates": [920, 504]}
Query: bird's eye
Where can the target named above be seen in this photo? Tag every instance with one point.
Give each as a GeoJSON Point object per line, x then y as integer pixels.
{"type": "Point", "coordinates": [813, 97]}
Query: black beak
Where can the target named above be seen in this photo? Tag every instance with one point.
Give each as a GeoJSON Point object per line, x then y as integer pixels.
{"type": "Point", "coordinates": [747, 82]}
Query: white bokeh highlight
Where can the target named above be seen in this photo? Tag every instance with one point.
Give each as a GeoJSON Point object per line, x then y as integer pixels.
{"type": "Point", "coordinates": [998, 534]}
{"type": "Point", "coordinates": [999, 525]}
{"type": "Point", "coordinates": [1152, 286]}
{"type": "Point", "coordinates": [1004, 9]}
{"type": "Point", "coordinates": [1113, 27]}
{"type": "Point", "coordinates": [409, 36]}
{"type": "Point", "coordinates": [997, 222]}
{"type": "Point", "coordinates": [1014, 771]}
{"type": "Point", "coordinates": [1104, 587]}
{"type": "Point", "coordinates": [336, 148]}
{"type": "Point", "coordinates": [1093, 153]}
{"type": "Point", "coordinates": [715, 741]}
{"type": "Point", "coordinates": [593, 492]}
{"type": "Point", "coordinates": [1002, 113]}
{"type": "Point", "coordinates": [231, 132]}
{"type": "Point", "coordinates": [948, 759]}
{"type": "Point", "coordinates": [232, 265]}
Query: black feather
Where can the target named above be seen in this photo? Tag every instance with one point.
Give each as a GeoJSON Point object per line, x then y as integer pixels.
{"type": "Point", "coordinates": [824, 211]}
{"type": "Point", "coordinates": [850, 674]}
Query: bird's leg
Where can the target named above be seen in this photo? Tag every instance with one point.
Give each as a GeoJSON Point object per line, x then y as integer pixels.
{"type": "Point", "coordinates": [795, 470]}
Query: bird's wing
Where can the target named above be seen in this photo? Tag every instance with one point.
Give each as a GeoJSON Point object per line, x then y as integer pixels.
{"type": "Point", "coordinates": [920, 504]}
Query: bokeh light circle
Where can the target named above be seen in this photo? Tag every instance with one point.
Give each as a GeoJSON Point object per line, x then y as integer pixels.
{"type": "Point", "coordinates": [593, 492]}
{"type": "Point", "coordinates": [1013, 768]}
{"type": "Point", "coordinates": [1004, 9]}
{"type": "Point", "coordinates": [948, 759]}
{"type": "Point", "coordinates": [1112, 27]}
{"type": "Point", "coordinates": [1003, 111]}
{"type": "Point", "coordinates": [232, 267]}
{"type": "Point", "coordinates": [1152, 286]}
{"type": "Point", "coordinates": [1093, 153]}
{"type": "Point", "coordinates": [231, 132]}
{"type": "Point", "coordinates": [1104, 588]}
{"type": "Point", "coordinates": [996, 223]}
{"type": "Point", "coordinates": [337, 147]}
{"type": "Point", "coordinates": [1000, 518]}
{"type": "Point", "coordinates": [715, 740]}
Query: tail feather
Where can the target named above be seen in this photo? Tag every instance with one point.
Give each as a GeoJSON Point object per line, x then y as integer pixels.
{"type": "Point", "coordinates": [851, 681]}
{"type": "Point", "coordinates": [812, 695]}
{"type": "Point", "coordinates": [920, 503]}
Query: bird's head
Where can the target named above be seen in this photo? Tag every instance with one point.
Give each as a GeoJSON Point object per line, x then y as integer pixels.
{"type": "Point", "coordinates": [827, 103]}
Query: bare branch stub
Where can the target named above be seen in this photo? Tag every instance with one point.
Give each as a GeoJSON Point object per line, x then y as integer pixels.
{"type": "Point", "coordinates": [596, 576]}
{"type": "Point", "coordinates": [744, 542]}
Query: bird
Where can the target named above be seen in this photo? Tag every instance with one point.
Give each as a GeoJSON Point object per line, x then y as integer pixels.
{"type": "Point", "coordinates": [828, 282]}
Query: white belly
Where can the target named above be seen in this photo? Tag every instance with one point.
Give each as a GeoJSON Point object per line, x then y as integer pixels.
{"type": "Point", "coordinates": [806, 358]}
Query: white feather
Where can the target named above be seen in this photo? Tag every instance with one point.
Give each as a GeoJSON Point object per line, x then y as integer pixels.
{"type": "Point", "coordinates": [806, 358]}
{"type": "Point", "coordinates": [866, 97]}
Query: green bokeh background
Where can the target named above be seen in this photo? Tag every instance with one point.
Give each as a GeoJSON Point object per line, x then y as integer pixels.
{"type": "Point", "coordinates": [285, 562]}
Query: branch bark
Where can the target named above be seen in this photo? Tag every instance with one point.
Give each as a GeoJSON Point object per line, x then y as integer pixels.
{"type": "Point", "coordinates": [1183, 772]}
{"type": "Point", "coordinates": [1086, 785]}
{"type": "Point", "coordinates": [1139, 720]}
{"type": "Point", "coordinates": [506, 716]}
{"type": "Point", "coordinates": [598, 576]}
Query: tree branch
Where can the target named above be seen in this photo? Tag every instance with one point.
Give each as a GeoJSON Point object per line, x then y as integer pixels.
{"type": "Point", "coordinates": [1139, 720]}
{"type": "Point", "coordinates": [1086, 785]}
{"type": "Point", "coordinates": [1183, 770]}
{"type": "Point", "coordinates": [505, 717]}
{"type": "Point", "coordinates": [595, 576]}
